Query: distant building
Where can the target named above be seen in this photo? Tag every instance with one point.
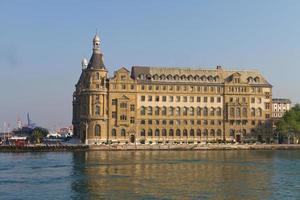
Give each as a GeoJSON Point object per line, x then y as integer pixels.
{"type": "Point", "coordinates": [169, 105]}
{"type": "Point", "coordinates": [279, 107]}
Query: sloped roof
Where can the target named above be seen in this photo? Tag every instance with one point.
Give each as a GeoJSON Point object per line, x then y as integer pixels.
{"type": "Point", "coordinates": [96, 61]}
{"type": "Point", "coordinates": [223, 75]}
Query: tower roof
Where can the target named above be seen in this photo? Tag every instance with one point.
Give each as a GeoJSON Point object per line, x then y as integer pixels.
{"type": "Point", "coordinates": [96, 60]}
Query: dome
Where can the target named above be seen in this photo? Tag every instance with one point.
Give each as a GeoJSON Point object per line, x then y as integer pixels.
{"type": "Point", "coordinates": [96, 38]}
{"type": "Point", "coordinates": [84, 63]}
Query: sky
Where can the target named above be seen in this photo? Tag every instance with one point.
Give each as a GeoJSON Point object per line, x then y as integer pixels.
{"type": "Point", "coordinates": [43, 42]}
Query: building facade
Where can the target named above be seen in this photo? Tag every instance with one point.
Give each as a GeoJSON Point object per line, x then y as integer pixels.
{"type": "Point", "coordinates": [279, 107]}
{"type": "Point", "coordinates": [169, 105]}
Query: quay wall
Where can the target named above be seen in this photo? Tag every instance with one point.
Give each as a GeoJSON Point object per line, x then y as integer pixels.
{"type": "Point", "coordinates": [43, 148]}
{"type": "Point", "coordinates": [195, 147]}
{"type": "Point", "coordinates": [156, 147]}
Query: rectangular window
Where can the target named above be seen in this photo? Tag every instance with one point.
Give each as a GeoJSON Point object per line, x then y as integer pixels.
{"type": "Point", "coordinates": [97, 97]}
{"type": "Point", "coordinates": [177, 98]}
{"type": "Point", "coordinates": [164, 87]}
{"type": "Point", "coordinates": [143, 98]}
{"type": "Point", "coordinates": [114, 115]}
{"type": "Point", "coordinates": [123, 87]}
{"type": "Point", "coordinates": [131, 120]}
{"type": "Point", "coordinates": [171, 98]}
{"type": "Point", "coordinates": [157, 87]}
{"type": "Point", "coordinates": [132, 107]}
{"type": "Point", "coordinates": [123, 105]}
{"type": "Point", "coordinates": [205, 99]}
{"type": "Point", "coordinates": [142, 87]}
{"type": "Point", "coordinates": [191, 99]}
{"type": "Point", "coordinates": [123, 78]}
{"type": "Point", "coordinates": [219, 99]}
{"type": "Point", "coordinates": [156, 98]}
{"type": "Point", "coordinates": [171, 88]}
{"type": "Point", "coordinates": [114, 102]}
{"type": "Point", "coordinates": [252, 100]}
{"type": "Point", "coordinates": [150, 87]}
{"type": "Point", "coordinates": [212, 99]}
{"type": "Point", "coordinates": [132, 87]}
{"type": "Point", "coordinates": [149, 98]}
{"type": "Point", "coordinates": [149, 121]}
{"type": "Point", "coordinates": [185, 99]}
{"type": "Point", "coordinates": [164, 98]}
{"type": "Point", "coordinates": [143, 121]}
{"type": "Point", "coordinates": [198, 99]}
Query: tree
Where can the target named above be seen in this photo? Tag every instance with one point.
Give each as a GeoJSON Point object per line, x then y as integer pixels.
{"type": "Point", "coordinates": [290, 122]}
{"type": "Point", "coordinates": [38, 134]}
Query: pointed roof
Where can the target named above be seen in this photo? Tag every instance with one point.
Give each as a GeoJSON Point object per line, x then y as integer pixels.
{"type": "Point", "coordinates": [96, 61]}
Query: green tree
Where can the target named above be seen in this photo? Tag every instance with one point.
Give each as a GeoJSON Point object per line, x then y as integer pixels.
{"type": "Point", "coordinates": [38, 134]}
{"type": "Point", "coordinates": [290, 122]}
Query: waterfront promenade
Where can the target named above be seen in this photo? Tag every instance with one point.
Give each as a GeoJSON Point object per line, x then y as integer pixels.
{"type": "Point", "coordinates": [146, 147]}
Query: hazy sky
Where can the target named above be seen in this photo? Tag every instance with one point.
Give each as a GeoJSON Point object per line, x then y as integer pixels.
{"type": "Point", "coordinates": [42, 44]}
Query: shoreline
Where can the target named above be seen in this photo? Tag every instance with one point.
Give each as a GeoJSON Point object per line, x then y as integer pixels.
{"type": "Point", "coordinates": [156, 147]}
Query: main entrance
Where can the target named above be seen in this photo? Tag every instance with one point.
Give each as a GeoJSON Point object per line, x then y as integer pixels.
{"type": "Point", "coordinates": [132, 139]}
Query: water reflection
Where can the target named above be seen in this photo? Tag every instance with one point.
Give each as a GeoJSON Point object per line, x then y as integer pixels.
{"type": "Point", "coordinates": [173, 175]}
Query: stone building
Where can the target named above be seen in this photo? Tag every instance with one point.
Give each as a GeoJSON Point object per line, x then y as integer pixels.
{"type": "Point", "coordinates": [169, 105]}
{"type": "Point", "coordinates": [279, 107]}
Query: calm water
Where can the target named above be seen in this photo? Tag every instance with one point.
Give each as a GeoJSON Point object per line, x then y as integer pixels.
{"type": "Point", "coordinates": [151, 175]}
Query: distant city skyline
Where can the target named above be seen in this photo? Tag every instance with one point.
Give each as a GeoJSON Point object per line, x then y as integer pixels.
{"type": "Point", "coordinates": [42, 45]}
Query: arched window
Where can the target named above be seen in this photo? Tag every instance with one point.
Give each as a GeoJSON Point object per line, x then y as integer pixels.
{"type": "Point", "coordinates": [97, 76]}
{"type": "Point", "coordinates": [164, 132]}
{"type": "Point", "coordinates": [212, 132]}
{"type": "Point", "coordinates": [192, 132]}
{"type": "Point", "coordinates": [185, 133]}
{"type": "Point", "coordinates": [238, 112]}
{"type": "Point", "coordinates": [185, 111]}
{"type": "Point", "coordinates": [150, 132]}
{"type": "Point", "coordinates": [114, 132]}
{"type": "Point", "coordinates": [164, 110]}
{"type": "Point", "coordinates": [253, 112]}
{"type": "Point", "coordinates": [198, 111]}
{"type": "Point", "coordinates": [244, 113]}
{"type": "Point", "coordinates": [191, 111]}
{"type": "Point", "coordinates": [171, 132]}
{"type": "Point", "coordinates": [231, 112]}
{"type": "Point", "coordinates": [205, 111]}
{"type": "Point", "coordinates": [178, 111]}
{"type": "Point", "coordinates": [143, 110]}
{"type": "Point", "coordinates": [150, 110]}
{"type": "Point", "coordinates": [205, 132]}
{"type": "Point", "coordinates": [231, 132]}
{"type": "Point", "coordinates": [171, 111]}
{"type": "Point", "coordinates": [244, 132]}
{"type": "Point", "coordinates": [212, 111]}
{"type": "Point", "coordinates": [157, 133]}
{"type": "Point", "coordinates": [97, 130]}
{"type": "Point", "coordinates": [219, 132]}
{"type": "Point", "coordinates": [219, 111]}
{"type": "Point", "coordinates": [143, 133]}
{"type": "Point", "coordinates": [156, 110]}
{"type": "Point", "coordinates": [123, 132]}
{"type": "Point", "coordinates": [198, 132]}
{"type": "Point", "coordinates": [178, 133]}
{"type": "Point", "coordinates": [97, 110]}
{"type": "Point", "coordinates": [259, 112]}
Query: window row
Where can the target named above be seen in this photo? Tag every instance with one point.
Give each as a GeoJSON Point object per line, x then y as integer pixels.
{"type": "Point", "coordinates": [181, 111]}
{"type": "Point", "coordinates": [177, 77]}
{"type": "Point", "coordinates": [179, 122]}
{"type": "Point", "coordinates": [180, 99]}
{"type": "Point", "coordinates": [190, 88]}
{"type": "Point", "coordinates": [179, 133]}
